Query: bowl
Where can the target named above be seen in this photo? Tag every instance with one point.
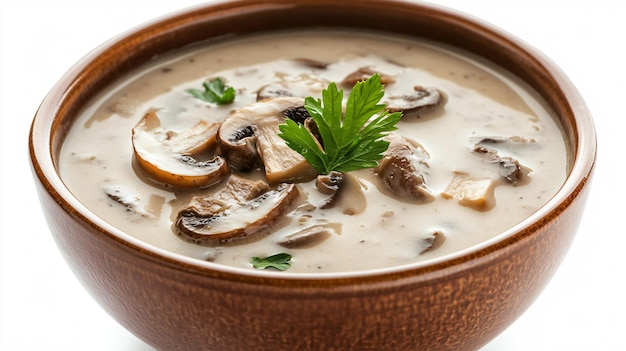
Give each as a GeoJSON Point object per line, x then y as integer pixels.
{"type": "Point", "coordinates": [172, 302]}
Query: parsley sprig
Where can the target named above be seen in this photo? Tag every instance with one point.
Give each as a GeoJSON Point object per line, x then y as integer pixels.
{"type": "Point", "coordinates": [214, 91]}
{"type": "Point", "coordinates": [351, 141]}
{"type": "Point", "coordinates": [278, 261]}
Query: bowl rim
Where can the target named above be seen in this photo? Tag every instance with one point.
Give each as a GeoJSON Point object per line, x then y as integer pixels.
{"type": "Point", "coordinates": [41, 152]}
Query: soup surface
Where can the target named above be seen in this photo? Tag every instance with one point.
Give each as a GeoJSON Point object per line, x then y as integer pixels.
{"type": "Point", "coordinates": [484, 156]}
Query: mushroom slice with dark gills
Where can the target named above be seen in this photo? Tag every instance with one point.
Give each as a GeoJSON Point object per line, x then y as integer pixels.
{"type": "Point", "coordinates": [170, 158]}
{"type": "Point", "coordinates": [509, 143]}
{"type": "Point", "coordinates": [412, 103]}
{"type": "Point", "coordinates": [273, 90]}
{"type": "Point", "coordinates": [432, 242]}
{"type": "Point", "coordinates": [311, 86]}
{"type": "Point", "coordinates": [344, 191]}
{"type": "Point", "coordinates": [509, 168]}
{"type": "Point", "coordinates": [365, 73]}
{"type": "Point", "coordinates": [150, 208]}
{"type": "Point", "coordinates": [403, 169]}
{"type": "Point", "coordinates": [242, 208]}
{"type": "Point", "coordinates": [248, 139]}
{"type": "Point", "coordinates": [416, 103]}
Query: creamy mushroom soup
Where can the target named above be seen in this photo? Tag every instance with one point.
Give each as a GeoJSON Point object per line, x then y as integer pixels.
{"type": "Point", "coordinates": [474, 154]}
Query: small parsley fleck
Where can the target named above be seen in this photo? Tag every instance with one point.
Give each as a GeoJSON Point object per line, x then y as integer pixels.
{"type": "Point", "coordinates": [279, 261]}
{"type": "Point", "coordinates": [215, 92]}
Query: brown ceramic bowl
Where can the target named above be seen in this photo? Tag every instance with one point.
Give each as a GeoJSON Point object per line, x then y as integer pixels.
{"type": "Point", "coordinates": [174, 303]}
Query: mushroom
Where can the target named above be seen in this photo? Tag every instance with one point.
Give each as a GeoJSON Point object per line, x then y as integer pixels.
{"type": "Point", "coordinates": [473, 192]}
{"type": "Point", "coordinates": [273, 90]}
{"type": "Point", "coordinates": [133, 204]}
{"type": "Point", "coordinates": [242, 208]}
{"type": "Point", "coordinates": [403, 169]}
{"type": "Point", "coordinates": [168, 157]}
{"type": "Point", "coordinates": [305, 238]}
{"type": "Point", "coordinates": [364, 73]}
{"type": "Point", "coordinates": [432, 241]}
{"type": "Point", "coordinates": [509, 168]}
{"type": "Point", "coordinates": [295, 87]}
{"type": "Point", "coordinates": [311, 62]}
{"type": "Point", "coordinates": [502, 140]}
{"type": "Point", "coordinates": [329, 183]}
{"type": "Point", "coordinates": [416, 103]}
{"type": "Point", "coordinates": [248, 138]}
{"type": "Point", "coordinates": [343, 190]}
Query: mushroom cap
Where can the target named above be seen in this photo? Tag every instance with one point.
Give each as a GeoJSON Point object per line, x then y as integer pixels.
{"type": "Point", "coordinates": [166, 157]}
{"type": "Point", "coordinates": [363, 73]}
{"type": "Point", "coordinates": [243, 208]}
{"type": "Point", "coordinates": [274, 90]}
{"type": "Point", "coordinates": [344, 191]}
{"type": "Point", "coordinates": [403, 169]}
{"type": "Point", "coordinates": [416, 103]}
{"type": "Point", "coordinates": [508, 168]}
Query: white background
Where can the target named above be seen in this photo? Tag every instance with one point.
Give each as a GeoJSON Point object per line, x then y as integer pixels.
{"type": "Point", "coordinates": [43, 306]}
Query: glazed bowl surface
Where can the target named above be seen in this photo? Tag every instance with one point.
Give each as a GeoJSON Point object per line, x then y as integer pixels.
{"type": "Point", "coordinates": [458, 302]}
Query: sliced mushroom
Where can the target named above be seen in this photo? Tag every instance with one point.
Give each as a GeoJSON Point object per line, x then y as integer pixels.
{"type": "Point", "coordinates": [299, 115]}
{"type": "Point", "coordinates": [199, 139]}
{"type": "Point", "coordinates": [305, 238]}
{"type": "Point", "coordinates": [167, 157]}
{"type": "Point", "coordinates": [364, 73]}
{"type": "Point", "coordinates": [328, 184]}
{"type": "Point", "coordinates": [502, 140]}
{"type": "Point", "coordinates": [243, 208]}
{"type": "Point", "coordinates": [509, 168]}
{"type": "Point", "coordinates": [403, 169]}
{"type": "Point", "coordinates": [273, 90]}
{"type": "Point", "coordinates": [473, 192]}
{"type": "Point", "coordinates": [432, 242]}
{"type": "Point", "coordinates": [343, 190]}
{"type": "Point", "coordinates": [249, 138]}
{"type": "Point", "coordinates": [133, 203]}
{"type": "Point", "coordinates": [312, 63]}
{"type": "Point", "coordinates": [416, 103]}
{"type": "Point", "coordinates": [294, 87]}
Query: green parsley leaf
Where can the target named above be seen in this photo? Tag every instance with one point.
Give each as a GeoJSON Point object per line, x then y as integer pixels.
{"type": "Point", "coordinates": [279, 261]}
{"type": "Point", "coordinates": [351, 142]}
{"type": "Point", "coordinates": [214, 91]}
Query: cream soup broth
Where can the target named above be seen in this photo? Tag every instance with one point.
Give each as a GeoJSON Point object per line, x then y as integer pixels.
{"type": "Point", "coordinates": [478, 101]}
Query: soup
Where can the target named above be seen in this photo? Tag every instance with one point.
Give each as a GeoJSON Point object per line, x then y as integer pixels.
{"type": "Point", "coordinates": [475, 153]}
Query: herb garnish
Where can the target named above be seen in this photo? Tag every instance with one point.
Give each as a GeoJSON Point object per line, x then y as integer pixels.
{"type": "Point", "coordinates": [214, 91]}
{"type": "Point", "coordinates": [278, 261]}
{"type": "Point", "coordinates": [349, 142]}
